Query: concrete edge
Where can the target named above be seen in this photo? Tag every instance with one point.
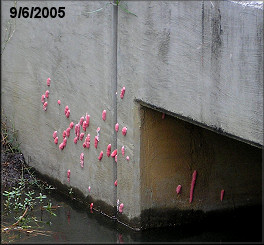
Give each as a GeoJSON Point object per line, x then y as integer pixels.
{"type": "Point", "coordinates": [190, 120]}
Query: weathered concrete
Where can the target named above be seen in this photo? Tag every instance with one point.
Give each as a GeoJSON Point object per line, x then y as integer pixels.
{"type": "Point", "coordinates": [201, 60]}
{"type": "Point", "coordinates": [198, 61]}
{"type": "Point", "coordinates": [172, 149]}
{"type": "Point", "coordinates": [76, 53]}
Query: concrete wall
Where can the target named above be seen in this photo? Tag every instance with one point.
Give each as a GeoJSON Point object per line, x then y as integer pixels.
{"type": "Point", "coordinates": [199, 61]}
{"type": "Point", "coordinates": [172, 149]}
{"type": "Point", "coordinates": [76, 53]}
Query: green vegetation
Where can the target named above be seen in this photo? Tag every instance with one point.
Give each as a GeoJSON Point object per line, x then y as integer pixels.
{"type": "Point", "coordinates": [24, 203]}
{"type": "Point", "coordinates": [9, 136]}
{"type": "Point", "coordinates": [24, 199]}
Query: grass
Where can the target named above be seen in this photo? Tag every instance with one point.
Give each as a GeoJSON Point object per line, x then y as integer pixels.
{"type": "Point", "coordinates": [23, 203]}
{"type": "Point", "coordinates": [9, 137]}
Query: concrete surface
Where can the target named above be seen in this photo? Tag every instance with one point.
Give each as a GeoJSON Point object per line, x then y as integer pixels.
{"type": "Point", "coordinates": [172, 149]}
{"type": "Point", "coordinates": [199, 61]}
{"type": "Point", "coordinates": [76, 53]}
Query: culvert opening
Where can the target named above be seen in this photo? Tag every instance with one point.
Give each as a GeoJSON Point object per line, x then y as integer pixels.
{"type": "Point", "coordinates": [172, 149]}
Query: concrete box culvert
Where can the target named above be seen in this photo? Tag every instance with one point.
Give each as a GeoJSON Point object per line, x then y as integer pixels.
{"type": "Point", "coordinates": [164, 61]}
{"type": "Point", "coordinates": [171, 150]}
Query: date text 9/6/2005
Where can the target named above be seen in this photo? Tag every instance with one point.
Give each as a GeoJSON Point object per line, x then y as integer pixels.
{"type": "Point", "coordinates": [37, 12]}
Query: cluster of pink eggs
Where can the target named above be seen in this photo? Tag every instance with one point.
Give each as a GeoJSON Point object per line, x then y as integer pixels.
{"type": "Point", "coordinates": [84, 124]}
{"type": "Point", "coordinates": [44, 97]}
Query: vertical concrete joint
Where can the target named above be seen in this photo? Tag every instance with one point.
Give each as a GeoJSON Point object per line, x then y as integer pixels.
{"type": "Point", "coordinates": [114, 87]}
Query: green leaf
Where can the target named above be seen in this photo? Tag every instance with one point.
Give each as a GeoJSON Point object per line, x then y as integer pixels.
{"type": "Point", "coordinates": [127, 11]}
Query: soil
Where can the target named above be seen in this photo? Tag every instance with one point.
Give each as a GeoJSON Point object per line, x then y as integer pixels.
{"type": "Point", "coordinates": [12, 167]}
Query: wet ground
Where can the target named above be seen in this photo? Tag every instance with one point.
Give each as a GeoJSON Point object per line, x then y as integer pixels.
{"type": "Point", "coordinates": [12, 166]}
{"type": "Point", "coordinates": [73, 224]}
